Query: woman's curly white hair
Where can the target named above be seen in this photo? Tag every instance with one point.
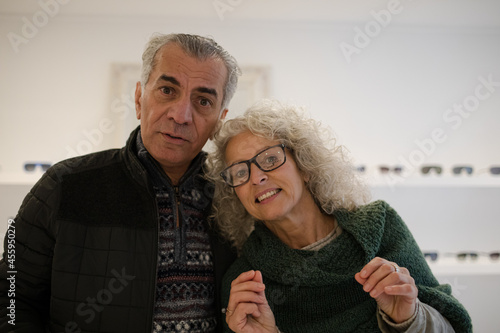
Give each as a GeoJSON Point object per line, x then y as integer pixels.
{"type": "Point", "coordinates": [332, 179]}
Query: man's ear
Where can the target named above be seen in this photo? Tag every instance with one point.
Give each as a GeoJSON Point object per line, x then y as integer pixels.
{"type": "Point", "coordinates": [222, 116]}
{"type": "Point", "coordinates": [138, 95]}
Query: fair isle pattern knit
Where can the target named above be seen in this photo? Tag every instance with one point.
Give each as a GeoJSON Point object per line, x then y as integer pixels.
{"type": "Point", "coordinates": [185, 290]}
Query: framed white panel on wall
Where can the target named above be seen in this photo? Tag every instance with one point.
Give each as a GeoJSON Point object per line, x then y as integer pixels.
{"type": "Point", "coordinates": [124, 77]}
{"type": "Point", "coordinates": [253, 85]}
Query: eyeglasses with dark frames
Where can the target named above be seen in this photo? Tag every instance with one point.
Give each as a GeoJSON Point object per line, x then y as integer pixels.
{"type": "Point", "coordinates": [31, 166]}
{"type": "Point", "coordinates": [431, 255]}
{"type": "Point", "coordinates": [269, 159]}
{"type": "Point", "coordinates": [386, 169]}
{"type": "Point", "coordinates": [360, 168]}
{"type": "Point", "coordinates": [465, 255]}
{"type": "Point", "coordinates": [428, 168]}
{"type": "Point", "coordinates": [459, 169]}
{"type": "Point", "coordinates": [495, 170]}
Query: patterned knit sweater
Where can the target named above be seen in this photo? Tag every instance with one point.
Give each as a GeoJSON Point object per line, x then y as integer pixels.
{"type": "Point", "coordinates": [311, 291]}
{"type": "Point", "coordinates": [185, 290]}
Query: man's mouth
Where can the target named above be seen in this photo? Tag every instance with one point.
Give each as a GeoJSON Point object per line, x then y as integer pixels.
{"type": "Point", "coordinates": [267, 195]}
{"type": "Point", "coordinates": [174, 137]}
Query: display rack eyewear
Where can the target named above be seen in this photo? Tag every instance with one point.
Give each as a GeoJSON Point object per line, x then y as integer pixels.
{"type": "Point", "coordinates": [32, 166]}
{"type": "Point", "coordinates": [434, 168]}
{"type": "Point", "coordinates": [433, 256]}
{"type": "Point", "coordinates": [386, 169]}
{"type": "Point", "coordinates": [460, 169]}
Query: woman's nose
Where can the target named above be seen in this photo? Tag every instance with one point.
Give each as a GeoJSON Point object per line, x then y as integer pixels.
{"type": "Point", "coordinates": [257, 176]}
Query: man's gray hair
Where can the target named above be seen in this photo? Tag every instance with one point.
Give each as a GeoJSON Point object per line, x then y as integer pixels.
{"type": "Point", "coordinates": [201, 48]}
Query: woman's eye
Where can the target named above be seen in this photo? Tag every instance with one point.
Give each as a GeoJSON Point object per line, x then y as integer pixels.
{"type": "Point", "coordinates": [241, 174]}
{"type": "Point", "coordinates": [270, 160]}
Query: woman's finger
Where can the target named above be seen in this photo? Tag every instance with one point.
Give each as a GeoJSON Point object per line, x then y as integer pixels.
{"type": "Point", "coordinates": [239, 316]}
{"type": "Point", "coordinates": [406, 290]}
{"type": "Point", "coordinates": [377, 287]}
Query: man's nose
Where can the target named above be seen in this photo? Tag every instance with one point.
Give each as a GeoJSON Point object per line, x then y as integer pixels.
{"type": "Point", "coordinates": [182, 111]}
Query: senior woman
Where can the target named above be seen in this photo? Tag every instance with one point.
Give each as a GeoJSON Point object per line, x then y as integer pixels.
{"type": "Point", "coordinates": [314, 255]}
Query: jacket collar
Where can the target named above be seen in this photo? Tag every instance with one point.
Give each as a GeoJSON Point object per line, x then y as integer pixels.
{"type": "Point", "coordinates": [143, 166]}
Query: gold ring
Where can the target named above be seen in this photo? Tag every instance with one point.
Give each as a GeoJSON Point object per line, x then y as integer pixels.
{"type": "Point", "coordinates": [227, 311]}
{"type": "Point", "coordinates": [396, 267]}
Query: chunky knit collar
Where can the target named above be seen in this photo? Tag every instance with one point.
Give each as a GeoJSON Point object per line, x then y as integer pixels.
{"type": "Point", "coordinates": [363, 231]}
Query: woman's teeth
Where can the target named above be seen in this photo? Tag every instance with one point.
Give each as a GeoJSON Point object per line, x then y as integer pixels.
{"type": "Point", "coordinates": [267, 195]}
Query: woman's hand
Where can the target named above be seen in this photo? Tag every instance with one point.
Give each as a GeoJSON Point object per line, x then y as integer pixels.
{"type": "Point", "coordinates": [248, 310]}
{"type": "Point", "coordinates": [391, 286]}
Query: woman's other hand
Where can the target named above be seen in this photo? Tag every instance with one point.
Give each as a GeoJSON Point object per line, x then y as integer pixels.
{"type": "Point", "coordinates": [248, 310]}
{"type": "Point", "coordinates": [391, 286]}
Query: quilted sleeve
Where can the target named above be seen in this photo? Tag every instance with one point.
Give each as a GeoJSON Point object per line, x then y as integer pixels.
{"type": "Point", "coordinates": [25, 267]}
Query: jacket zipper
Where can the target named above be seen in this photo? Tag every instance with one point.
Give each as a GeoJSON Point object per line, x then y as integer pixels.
{"type": "Point", "coordinates": [177, 204]}
{"type": "Point", "coordinates": [178, 228]}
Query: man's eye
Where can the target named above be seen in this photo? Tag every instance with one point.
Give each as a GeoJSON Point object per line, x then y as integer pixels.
{"type": "Point", "coordinates": [166, 90]}
{"type": "Point", "coordinates": [205, 102]}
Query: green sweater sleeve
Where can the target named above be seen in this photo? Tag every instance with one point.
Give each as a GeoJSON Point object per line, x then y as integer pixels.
{"type": "Point", "coordinates": [398, 245]}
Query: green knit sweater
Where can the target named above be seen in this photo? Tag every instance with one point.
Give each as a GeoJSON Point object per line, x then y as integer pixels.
{"type": "Point", "coordinates": [316, 292]}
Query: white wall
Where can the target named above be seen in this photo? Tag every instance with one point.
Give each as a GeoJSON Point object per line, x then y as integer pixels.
{"type": "Point", "coordinates": [393, 93]}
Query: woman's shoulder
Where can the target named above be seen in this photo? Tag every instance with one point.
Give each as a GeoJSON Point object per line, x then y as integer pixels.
{"type": "Point", "coordinates": [373, 207]}
{"type": "Point", "coordinates": [369, 215]}
{"type": "Point", "coordinates": [368, 224]}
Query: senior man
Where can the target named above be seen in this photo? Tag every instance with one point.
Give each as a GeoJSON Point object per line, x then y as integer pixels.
{"type": "Point", "coordinates": [121, 240]}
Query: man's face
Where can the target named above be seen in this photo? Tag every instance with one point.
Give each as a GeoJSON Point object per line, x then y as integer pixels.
{"type": "Point", "coordinates": [180, 107]}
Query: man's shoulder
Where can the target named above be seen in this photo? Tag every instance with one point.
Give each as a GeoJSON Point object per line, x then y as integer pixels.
{"type": "Point", "coordinates": [87, 163]}
{"type": "Point", "coordinates": [239, 265]}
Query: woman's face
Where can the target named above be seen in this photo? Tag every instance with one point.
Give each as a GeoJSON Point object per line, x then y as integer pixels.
{"type": "Point", "coordinates": [275, 195]}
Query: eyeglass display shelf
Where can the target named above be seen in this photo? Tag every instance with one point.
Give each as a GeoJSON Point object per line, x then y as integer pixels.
{"type": "Point", "coordinates": [481, 266]}
{"type": "Point", "coordinates": [395, 181]}
{"type": "Point", "coordinates": [388, 181]}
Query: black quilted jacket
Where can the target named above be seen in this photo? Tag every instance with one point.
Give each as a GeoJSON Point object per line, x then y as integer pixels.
{"type": "Point", "coordinates": [86, 239]}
